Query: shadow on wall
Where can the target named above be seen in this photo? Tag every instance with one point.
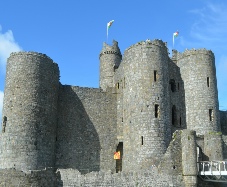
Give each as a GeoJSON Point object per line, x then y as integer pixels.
{"type": "Point", "coordinates": [177, 99]}
{"type": "Point", "coordinates": [77, 142]}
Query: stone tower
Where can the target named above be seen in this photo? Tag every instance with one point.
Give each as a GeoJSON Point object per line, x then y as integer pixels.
{"type": "Point", "coordinates": [145, 103]}
{"type": "Point", "coordinates": [30, 107]}
{"type": "Point", "coordinates": [198, 72]}
{"type": "Point", "coordinates": [110, 59]}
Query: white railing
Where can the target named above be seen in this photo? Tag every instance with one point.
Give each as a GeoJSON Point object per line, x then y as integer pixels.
{"type": "Point", "coordinates": [215, 171]}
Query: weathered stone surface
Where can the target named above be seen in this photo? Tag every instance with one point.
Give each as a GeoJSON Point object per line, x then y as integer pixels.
{"type": "Point", "coordinates": [156, 110]}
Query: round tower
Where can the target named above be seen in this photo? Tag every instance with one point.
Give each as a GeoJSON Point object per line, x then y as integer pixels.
{"type": "Point", "coordinates": [146, 104]}
{"type": "Point", "coordinates": [110, 59]}
{"type": "Point", "coordinates": [30, 107]}
{"type": "Point", "coordinates": [198, 72]}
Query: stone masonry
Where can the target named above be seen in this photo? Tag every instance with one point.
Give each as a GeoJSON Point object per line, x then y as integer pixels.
{"type": "Point", "coordinates": [156, 111]}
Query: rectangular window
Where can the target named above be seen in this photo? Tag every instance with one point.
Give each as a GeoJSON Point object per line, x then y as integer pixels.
{"type": "Point", "coordinates": [141, 140]}
{"type": "Point", "coordinates": [155, 75]}
{"type": "Point", "coordinates": [211, 116]}
{"type": "Point", "coordinates": [156, 111]}
{"type": "Point", "coordinates": [208, 82]}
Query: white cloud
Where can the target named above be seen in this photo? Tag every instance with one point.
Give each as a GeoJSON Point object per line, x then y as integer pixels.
{"type": "Point", "coordinates": [7, 46]}
{"type": "Point", "coordinates": [210, 26]}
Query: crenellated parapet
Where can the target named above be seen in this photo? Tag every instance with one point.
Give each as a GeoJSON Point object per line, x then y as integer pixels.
{"type": "Point", "coordinates": [190, 52]}
{"type": "Point", "coordinates": [26, 53]}
{"type": "Point", "coordinates": [147, 43]}
{"type": "Point", "coordinates": [107, 49]}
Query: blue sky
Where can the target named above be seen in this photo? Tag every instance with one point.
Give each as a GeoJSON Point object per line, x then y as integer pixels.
{"type": "Point", "coordinates": [72, 32]}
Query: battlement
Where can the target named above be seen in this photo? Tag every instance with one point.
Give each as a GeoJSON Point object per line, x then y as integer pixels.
{"type": "Point", "coordinates": [148, 43]}
{"type": "Point", "coordinates": [31, 58]}
{"type": "Point", "coordinates": [193, 51]}
{"type": "Point", "coordinates": [27, 53]}
{"type": "Point", "coordinates": [125, 125]}
{"type": "Point", "coordinates": [107, 49]}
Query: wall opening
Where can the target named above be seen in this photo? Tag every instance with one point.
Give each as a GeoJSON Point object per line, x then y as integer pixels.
{"type": "Point", "coordinates": [141, 140]}
{"type": "Point", "coordinates": [119, 150]}
{"type": "Point", "coordinates": [155, 75]}
{"type": "Point", "coordinates": [115, 67]}
{"type": "Point", "coordinates": [174, 115]}
{"type": "Point", "coordinates": [208, 82]}
{"type": "Point", "coordinates": [4, 124]}
{"type": "Point", "coordinates": [180, 121]}
{"type": "Point", "coordinates": [156, 111]}
{"type": "Point", "coordinates": [211, 115]}
{"type": "Point", "coordinates": [172, 85]}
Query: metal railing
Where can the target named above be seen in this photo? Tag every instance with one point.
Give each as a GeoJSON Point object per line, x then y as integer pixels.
{"type": "Point", "coordinates": [215, 171]}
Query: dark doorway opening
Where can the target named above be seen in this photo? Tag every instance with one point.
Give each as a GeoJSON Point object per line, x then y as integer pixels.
{"type": "Point", "coordinates": [174, 115]}
{"type": "Point", "coordinates": [119, 161]}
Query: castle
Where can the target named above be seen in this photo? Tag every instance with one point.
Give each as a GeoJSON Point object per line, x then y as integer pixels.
{"type": "Point", "coordinates": [160, 114]}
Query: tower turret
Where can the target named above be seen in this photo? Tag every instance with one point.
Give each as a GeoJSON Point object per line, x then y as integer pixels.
{"type": "Point", "coordinates": [146, 103]}
{"type": "Point", "coordinates": [110, 59]}
{"type": "Point", "coordinates": [30, 106]}
{"type": "Point", "coordinates": [198, 72]}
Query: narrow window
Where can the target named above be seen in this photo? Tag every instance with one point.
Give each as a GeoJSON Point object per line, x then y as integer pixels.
{"type": "Point", "coordinates": [155, 75]}
{"type": "Point", "coordinates": [211, 115]}
{"type": "Point", "coordinates": [156, 111]}
{"type": "Point", "coordinates": [180, 121]}
{"type": "Point", "coordinates": [141, 140]}
{"type": "Point", "coordinates": [172, 85]}
{"type": "Point", "coordinates": [118, 85]}
{"type": "Point", "coordinates": [122, 119]}
{"type": "Point", "coordinates": [4, 124]}
{"type": "Point", "coordinates": [174, 115]}
{"type": "Point", "coordinates": [208, 82]}
{"type": "Point", "coordinates": [115, 67]}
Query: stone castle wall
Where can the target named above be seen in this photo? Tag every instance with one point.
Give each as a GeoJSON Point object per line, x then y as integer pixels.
{"type": "Point", "coordinates": [142, 100]}
{"type": "Point", "coordinates": [119, 84]}
{"type": "Point", "coordinates": [35, 178]}
{"type": "Point", "coordinates": [86, 133]}
{"type": "Point", "coordinates": [30, 107]}
{"type": "Point", "coordinates": [177, 98]}
{"type": "Point", "coordinates": [145, 102]}
{"type": "Point", "coordinates": [197, 68]}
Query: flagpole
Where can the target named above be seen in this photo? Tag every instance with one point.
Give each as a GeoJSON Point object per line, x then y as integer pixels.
{"type": "Point", "coordinates": [173, 40]}
{"type": "Point", "coordinates": [107, 33]}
